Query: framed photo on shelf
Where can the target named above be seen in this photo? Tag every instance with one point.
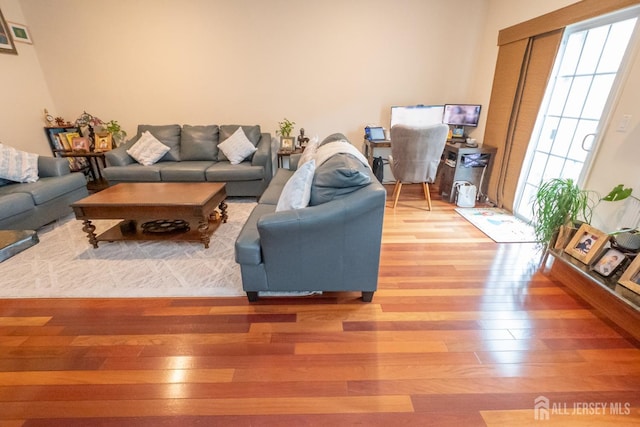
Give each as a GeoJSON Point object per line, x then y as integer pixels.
{"type": "Point", "coordinates": [6, 41]}
{"type": "Point", "coordinates": [630, 279]}
{"type": "Point", "coordinates": [20, 32]}
{"type": "Point", "coordinates": [287, 143]}
{"type": "Point", "coordinates": [586, 243]}
{"type": "Point", "coordinates": [609, 262]}
{"type": "Point", "coordinates": [104, 142]}
{"type": "Point", "coordinates": [80, 143]}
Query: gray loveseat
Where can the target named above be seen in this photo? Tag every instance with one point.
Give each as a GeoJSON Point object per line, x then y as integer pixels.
{"type": "Point", "coordinates": [194, 157]}
{"type": "Point", "coordinates": [331, 245]}
{"type": "Point", "coordinates": [28, 206]}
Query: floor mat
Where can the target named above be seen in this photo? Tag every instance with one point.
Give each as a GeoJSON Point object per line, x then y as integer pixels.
{"type": "Point", "coordinates": [498, 224]}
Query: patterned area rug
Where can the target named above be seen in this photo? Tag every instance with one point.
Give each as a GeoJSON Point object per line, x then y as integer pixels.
{"type": "Point", "coordinates": [498, 224]}
{"type": "Point", "coordinates": [65, 265]}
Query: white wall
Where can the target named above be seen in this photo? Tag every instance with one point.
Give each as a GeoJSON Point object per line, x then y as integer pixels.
{"type": "Point", "coordinates": [330, 66]}
{"type": "Point", "coordinates": [24, 91]}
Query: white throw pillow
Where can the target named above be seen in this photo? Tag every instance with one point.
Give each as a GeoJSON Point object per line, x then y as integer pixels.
{"type": "Point", "coordinates": [297, 191]}
{"type": "Point", "coordinates": [309, 151]}
{"type": "Point", "coordinates": [18, 166]}
{"type": "Point", "coordinates": [237, 147]}
{"type": "Point", "coordinates": [148, 150]}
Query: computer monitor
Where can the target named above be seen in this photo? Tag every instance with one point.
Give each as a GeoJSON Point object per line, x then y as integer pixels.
{"type": "Point", "coordinates": [461, 114]}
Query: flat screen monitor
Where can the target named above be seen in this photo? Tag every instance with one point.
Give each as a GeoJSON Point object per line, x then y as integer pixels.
{"type": "Point", "coordinates": [461, 114]}
{"type": "Point", "coordinates": [417, 115]}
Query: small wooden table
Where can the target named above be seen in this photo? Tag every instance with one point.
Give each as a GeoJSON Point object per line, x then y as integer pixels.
{"type": "Point", "coordinates": [155, 211]}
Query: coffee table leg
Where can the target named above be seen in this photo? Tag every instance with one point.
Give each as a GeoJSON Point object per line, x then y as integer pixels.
{"type": "Point", "coordinates": [203, 227]}
{"type": "Point", "coordinates": [89, 229]}
{"type": "Point", "coordinates": [223, 211]}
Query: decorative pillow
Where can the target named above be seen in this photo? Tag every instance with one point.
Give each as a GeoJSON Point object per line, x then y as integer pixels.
{"type": "Point", "coordinates": [297, 190]}
{"type": "Point", "coordinates": [147, 150]}
{"type": "Point", "coordinates": [18, 166]}
{"type": "Point", "coordinates": [341, 174]}
{"type": "Point", "coordinates": [237, 147]}
{"type": "Point", "coordinates": [309, 151]}
{"type": "Point", "coordinates": [252, 133]}
{"type": "Point", "coordinates": [169, 135]}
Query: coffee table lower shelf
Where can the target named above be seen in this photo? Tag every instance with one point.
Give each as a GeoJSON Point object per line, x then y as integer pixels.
{"type": "Point", "coordinates": [131, 230]}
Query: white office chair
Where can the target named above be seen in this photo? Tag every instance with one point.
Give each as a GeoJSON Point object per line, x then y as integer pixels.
{"type": "Point", "coordinates": [415, 156]}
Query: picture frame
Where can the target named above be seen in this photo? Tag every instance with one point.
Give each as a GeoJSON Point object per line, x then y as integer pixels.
{"type": "Point", "coordinates": [20, 33]}
{"type": "Point", "coordinates": [609, 262]}
{"type": "Point", "coordinates": [80, 143]}
{"type": "Point", "coordinates": [587, 243]}
{"type": "Point", "coordinates": [104, 142]}
{"type": "Point", "coordinates": [6, 40]}
{"type": "Point", "coordinates": [287, 143]}
{"type": "Point", "coordinates": [630, 279]}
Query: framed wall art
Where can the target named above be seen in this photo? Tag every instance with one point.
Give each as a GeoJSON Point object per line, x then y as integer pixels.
{"type": "Point", "coordinates": [609, 262]}
{"type": "Point", "coordinates": [586, 243]}
{"type": "Point", "coordinates": [630, 279]}
{"type": "Point", "coordinates": [104, 141]}
{"type": "Point", "coordinates": [20, 32]}
{"type": "Point", "coordinates": [6, 41]}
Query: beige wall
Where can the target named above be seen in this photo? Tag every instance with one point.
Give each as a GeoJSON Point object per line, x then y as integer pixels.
{"type": "Point", "coordinates": [331, 66]}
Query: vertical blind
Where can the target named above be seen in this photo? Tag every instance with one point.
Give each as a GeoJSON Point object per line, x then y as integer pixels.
{"type": "Point", "coordinates": [525, 59]}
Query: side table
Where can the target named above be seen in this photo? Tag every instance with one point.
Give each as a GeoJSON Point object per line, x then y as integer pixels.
{"type": "Point", "coordinates": [96, 162]}
{"type": "Point", "coordinates": [286, 153]}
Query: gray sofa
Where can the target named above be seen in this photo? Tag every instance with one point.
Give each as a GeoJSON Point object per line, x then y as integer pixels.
{"type": "Point", "coordinates": [194, 157]}
{"type": "Point", "coordinates": [28, 206]}
{"type": "Point", "coordinates": [331, 245]}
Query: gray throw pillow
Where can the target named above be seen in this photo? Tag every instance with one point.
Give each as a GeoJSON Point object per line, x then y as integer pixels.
{"type": "Point", "coordinates": [199, 142]}
{"type": "Point", "coordinates": [169, 135]}
{"type": "Point", "coordinates": [341, 174]}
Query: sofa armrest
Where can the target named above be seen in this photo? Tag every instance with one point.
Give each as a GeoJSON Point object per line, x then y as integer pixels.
{"type": "Point", "coordinates": [118, 156]}
{"type": "Point", "coordinates": [335, 242]}
{"type": "Point", "coordinates": [294, 160]}
{"type": "Point", "coordinates": [262, 157]}
{"type": "Point", "coordinates": [52, 166]}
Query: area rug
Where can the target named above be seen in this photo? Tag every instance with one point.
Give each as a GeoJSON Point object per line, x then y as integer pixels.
{"type": "Point", "coordinates": [65, 265]}
{"type": "Point", "coordinates": [498, 224]}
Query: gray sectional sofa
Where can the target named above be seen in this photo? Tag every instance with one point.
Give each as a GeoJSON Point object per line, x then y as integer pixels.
{"type": "Point", "coordinates": [194, 157]}
{"type": "Point", "coordinates": [333, 244]}
{"type": "Point", "coordinates": [29, 206]}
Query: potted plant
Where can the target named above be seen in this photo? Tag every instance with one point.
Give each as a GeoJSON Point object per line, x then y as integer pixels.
{"type": "Point", "coordinates": [113, 127]}
{"type": "Point", "coordinates": [285, 127]}
{"type": "Point", "coordinates": [559, 203]}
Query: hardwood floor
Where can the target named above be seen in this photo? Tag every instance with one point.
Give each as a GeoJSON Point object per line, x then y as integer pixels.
{"type": "Point", "coordinates": [462, 332]}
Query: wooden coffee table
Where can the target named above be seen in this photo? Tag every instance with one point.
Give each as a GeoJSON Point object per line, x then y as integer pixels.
{"type": "Point", "coordinates": [155, 211]}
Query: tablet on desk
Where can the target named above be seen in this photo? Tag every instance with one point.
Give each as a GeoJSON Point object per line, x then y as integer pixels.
{"type": "Point", "coordinates": [376, 134]}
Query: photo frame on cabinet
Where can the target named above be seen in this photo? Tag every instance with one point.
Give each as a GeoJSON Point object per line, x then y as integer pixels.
{"type": "Point", "coordinates": [587, 243]}
{"type": "Point", "coordinates": [6, 40]}
{"type": "Point", "coordinates": [20, 33]}
{"type": "Point", "coordinates": [80, 143]}
{"type": "Point", "coordinates": [287, 143]}
{"type": "Point", "coordinates": [630, 279]}
{"type": "Point", "coordinates": [609, 262]}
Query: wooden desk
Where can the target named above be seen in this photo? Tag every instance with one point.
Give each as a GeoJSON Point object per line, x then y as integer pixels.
{"type": "Point", "coordinates": [462, 163]}
{"type": "Point", "coordinates": [370, 146]}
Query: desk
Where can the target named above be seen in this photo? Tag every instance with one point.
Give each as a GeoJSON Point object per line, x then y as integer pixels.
{"type": "Point", "coordinates": [370, 146]}
{"type": "Point", "coordinates": [462, 163]}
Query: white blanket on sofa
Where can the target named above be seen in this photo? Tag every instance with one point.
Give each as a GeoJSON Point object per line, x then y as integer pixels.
{"type": "Point", "coordinates": [324, 152]}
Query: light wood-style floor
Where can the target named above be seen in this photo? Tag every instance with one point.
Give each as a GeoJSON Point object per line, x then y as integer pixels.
{"type": "Point", "coordinates": [462, 332]}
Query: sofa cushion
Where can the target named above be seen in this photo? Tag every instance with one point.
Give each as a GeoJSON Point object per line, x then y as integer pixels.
{"type": "Point", "coordinates": [17, 165]}
{"type": "Point", "coordinates": [15, 204]}
{"type": "Point", "coordinates": [237, 147]}
{"type": "Point", "coordinates": [148, 149]}
{"type": "Point", "coordinates": [169, 135]}
{"type": "Point", "coordinates": [297, 191]}
{"type": "Point", "coordinates": [272, 193]}
{"type": "Point", "coordinates": [341, 174]}
{"type": "Point", "coordinates": [47, 188]}
{"type": "Point", "coordinates": [225, 172]}
{"type": "Point", "coordinates": [199, 142]}
{"type": "Point", "coordinates": [251, 132]}
{"type": "Point", "coordinates": [134, 172]}
{"type": "Point", "coordinates": [185, 170]}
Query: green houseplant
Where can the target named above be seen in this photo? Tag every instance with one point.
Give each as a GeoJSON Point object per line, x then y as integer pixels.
{"type": "Point", "coordinates": [119, 134]}
{"type": "Point", "coordinates": [559, 202]}
{"type": "Point", "coordinates": [285, 127]}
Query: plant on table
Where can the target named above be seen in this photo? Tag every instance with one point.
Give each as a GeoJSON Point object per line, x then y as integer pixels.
{"type": "Point", "coordinates": [114, 128]}
{"type": "Point", "coordinates": [285, 127]}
